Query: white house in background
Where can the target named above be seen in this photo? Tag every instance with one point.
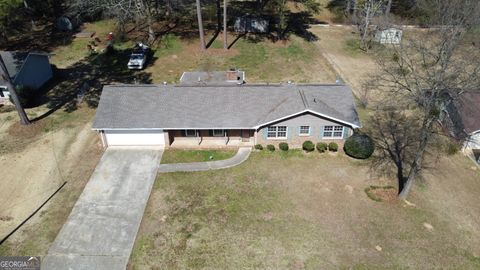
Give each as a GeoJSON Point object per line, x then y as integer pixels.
{"type": "Point", "coordinates": [390, 35]}
{"type": "Point", "coordinates": [251, 24]}
{"type": "Point", "coordinates": [461, 118]}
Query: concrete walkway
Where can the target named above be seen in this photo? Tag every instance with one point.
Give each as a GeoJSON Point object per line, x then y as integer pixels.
{"type": "Point", "coordinates": [242, 155]}
{"type": "Point", "coordinates": [102, 227]}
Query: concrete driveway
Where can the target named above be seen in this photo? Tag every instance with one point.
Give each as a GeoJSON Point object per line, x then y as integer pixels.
{"type": "Point", "coordinates": [101, 229]}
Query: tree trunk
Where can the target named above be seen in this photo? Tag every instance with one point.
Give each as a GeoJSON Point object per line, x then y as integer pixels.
{"type": "Point", "coordinates": [148, 13]}
{"type": "Point", "coordinates": [282, 21]}
{"type": "Point", "coordinates": [151, 33]}
{"type": "Point", "coordinates": [364, 32]}
{"type": "Point", "coordinates": [354, 12]}
{"type": "Point", "coordinates": [225, 45]}
{"type": "Point", "coordinates": [400, 177]}
{"type": "Point", "coordinates": [219, 15]}
{"type": "Point", "coordinates": [25, 4]}
{"type": "Point", "coordinates": [388, 8]}
{"type": "Point", "coordinates": [13, 93]}
{"type": "Point", "coordinates": [417, 162]}
{"type": "Point", "coordinates": [200, 26]}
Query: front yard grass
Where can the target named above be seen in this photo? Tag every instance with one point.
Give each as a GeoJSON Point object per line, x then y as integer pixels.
{"type": "Point", "coordinates": [307, 211]}
{"type": "Point", "coordinates": [187, 156]}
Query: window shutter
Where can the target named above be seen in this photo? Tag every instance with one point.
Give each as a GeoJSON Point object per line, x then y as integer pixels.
{"type": "Point", "coordinates": [184, 133]}
{"type": "Point", "coordinates": [210, 132]}
{"type": "Point", "coordinates": [289, 132]}
{"type": "Point", "coordinates": [298, 131]}
{"type": "Point", "coordinates": [346, 132]}
{"type": "Point", "coordinates": [265, 130]}
{"type": "Point", "coordinates": [321, 131]}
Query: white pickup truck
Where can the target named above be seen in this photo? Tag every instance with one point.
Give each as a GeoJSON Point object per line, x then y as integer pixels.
{"type": "Point", "coordinates": [138, 58]}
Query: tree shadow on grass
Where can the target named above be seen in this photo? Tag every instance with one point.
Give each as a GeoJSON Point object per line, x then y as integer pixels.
{"type": "Point", "coordinates": [45, 39]}
{"type": "Point", "coordinates": [297, 23]}
{"type": "Point", "coordinates": [83, 82]}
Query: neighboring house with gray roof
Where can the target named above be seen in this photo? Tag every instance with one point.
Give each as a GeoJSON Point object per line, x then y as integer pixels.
{"type": "Point", "coordinates": [30, 70]}
{"type": "Point", "coordinates": [228, 115]}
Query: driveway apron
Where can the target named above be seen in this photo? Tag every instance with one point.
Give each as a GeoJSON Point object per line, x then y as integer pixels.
{"type": "Point", "coordinates": [102, 227]}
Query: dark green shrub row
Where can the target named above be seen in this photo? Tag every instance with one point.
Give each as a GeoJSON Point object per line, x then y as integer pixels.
{"type": "Point", "coordinates": [321, 146]}
{"type": "Point", "coordinates": [307, 146]}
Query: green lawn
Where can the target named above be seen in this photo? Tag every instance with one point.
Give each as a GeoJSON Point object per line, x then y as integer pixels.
{"type": "Point", "coordinates": [185, 156]}
{"type": "Point", "coordinates": [304, 211]}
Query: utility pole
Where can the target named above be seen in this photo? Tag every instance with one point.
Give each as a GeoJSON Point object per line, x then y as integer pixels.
{"type": "Point", "coordinates": [13, 93]}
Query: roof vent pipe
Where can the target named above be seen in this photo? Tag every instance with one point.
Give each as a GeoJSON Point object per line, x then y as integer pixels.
{"type": "Point", "coordinates": [164, 83]}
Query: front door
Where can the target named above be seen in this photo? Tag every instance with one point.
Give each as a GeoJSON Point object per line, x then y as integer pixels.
{"type": "Point", "coordinates": [245, 135]}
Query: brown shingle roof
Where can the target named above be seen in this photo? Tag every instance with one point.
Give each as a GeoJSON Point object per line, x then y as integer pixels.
{"type": "Point", "coordinates": [468, 106]}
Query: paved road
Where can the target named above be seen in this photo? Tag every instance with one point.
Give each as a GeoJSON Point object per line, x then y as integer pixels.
{"type": "Point", "coordinates": [242, 155]}
{"type": "Point", "coordinates": [101, 229]}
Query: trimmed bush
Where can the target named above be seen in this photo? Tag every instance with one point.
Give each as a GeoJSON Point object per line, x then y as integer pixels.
{"type": "Point", "coordinates": [258, 147]}
{"type": "Point", "coordinates": [322, 147]}
{"type": "Point", "coordinates": [359, 146]}
{"type": "Point", "coordinates": [333, 147]}
{"type": "Point", "coordinates": [283, 146]}
{"type": "Point", "coordinates": [308, 146]}
{"type": "Point", "coordinates": [271, 147]}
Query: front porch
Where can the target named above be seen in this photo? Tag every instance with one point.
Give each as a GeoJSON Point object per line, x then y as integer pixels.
{"type": "Point", "coordinates": [210, 139]}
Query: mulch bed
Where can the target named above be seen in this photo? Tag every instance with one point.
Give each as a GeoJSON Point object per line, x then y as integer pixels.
{"type": "Point", "coordinates": [382, 193]}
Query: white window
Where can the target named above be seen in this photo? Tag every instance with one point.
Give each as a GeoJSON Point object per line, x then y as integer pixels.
{"type": "Point", "coordinates": [218, 133]}
{"type": "Point", "coordinates": [304, 130]}
{"type": "Point", "coordinates": [332, 131]}
{"type": "Point", "coordinates": [277, 132]}
{"type": "Point", "coordinates": [338, 131]}
{"type": "Point", "coordinates": [190, 133]}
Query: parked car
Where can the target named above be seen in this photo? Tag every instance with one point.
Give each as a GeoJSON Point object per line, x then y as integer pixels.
{"type": "Point", "coordinates": [138, 58]}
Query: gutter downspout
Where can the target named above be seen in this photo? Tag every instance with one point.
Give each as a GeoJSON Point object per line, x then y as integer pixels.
{"type": "Point", "coordinates": [101, 133]}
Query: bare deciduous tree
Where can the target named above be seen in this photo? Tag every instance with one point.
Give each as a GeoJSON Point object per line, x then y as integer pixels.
{"type": "Point", "coordinates": [396, 140]}
{"type": "Point", "coordinates": [367, 11]}
{"type": "Point", "coordinates": [423, 72]}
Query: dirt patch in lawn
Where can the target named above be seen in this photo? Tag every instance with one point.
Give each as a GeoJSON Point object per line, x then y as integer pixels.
{"type": "Point", "coordinates": [31, 172]}
{"type": "Point", "coordinates": [353, 65]}
{"type": "Point", "coordinates": [308, 211]}
{"type": "Point", "coordinates": [382, 194]}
